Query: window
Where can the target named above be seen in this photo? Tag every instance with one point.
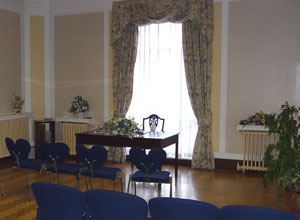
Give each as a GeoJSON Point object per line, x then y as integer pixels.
{"type": "Point", "coordinates": [159, 85]}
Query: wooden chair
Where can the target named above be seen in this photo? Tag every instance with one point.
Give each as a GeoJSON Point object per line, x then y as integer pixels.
{"type": "Point", "coordinates": [153, 122]}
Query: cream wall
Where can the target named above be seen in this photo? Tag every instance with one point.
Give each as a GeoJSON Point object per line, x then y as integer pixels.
{"type": "Point", "coordinates": [263, 60]}
{"type": "Point", "coordinates": [10, 59]}
{"type": "Point", "coordinates": [79, 62]}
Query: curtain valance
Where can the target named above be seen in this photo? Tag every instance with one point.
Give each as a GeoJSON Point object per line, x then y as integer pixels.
{"type": "Point", "coordinates": [141, 12]}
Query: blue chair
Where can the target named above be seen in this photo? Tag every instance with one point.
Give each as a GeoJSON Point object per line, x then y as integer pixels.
{"type": "Point", "coordinates": [113, 205]}
{"type": "Point", "coordinates": [58, 202]}
{"type": "Point", "coordinates": [179, 209]}
{"type": "Point", "coordinates": [237, 212]}
{"type": "Point", "coordinates": [19, 151]}
{"type": "Point", "coordinates": [93, 160]}
{"type": "Point", "coordinates": [149, 167]}
{"type": "Point", "coordinates": [57, 156]}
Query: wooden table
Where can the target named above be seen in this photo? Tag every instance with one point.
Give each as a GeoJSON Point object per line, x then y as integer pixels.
{"type": "Point", "coordinates": [148, 141]}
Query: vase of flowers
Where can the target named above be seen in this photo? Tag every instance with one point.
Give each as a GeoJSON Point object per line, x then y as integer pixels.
{"type": "Point", "coordinates": [17, 103]}
{"type": "Point", "coordinates": [120, 125]}
{"type": "Point", "coordinates": [79, 105]}
{"type": "Point", "coordinates": [258, 118]}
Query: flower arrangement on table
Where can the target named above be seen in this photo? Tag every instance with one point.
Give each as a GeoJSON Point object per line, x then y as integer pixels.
{"type": "Point", "coordinates": [17, 103]}
{"type": "Point", "coordinates": [258, 118]}
{"type": "Point", "coordinates": [79, 104]}
{"type": "Point", "coordinates": [120, 125]}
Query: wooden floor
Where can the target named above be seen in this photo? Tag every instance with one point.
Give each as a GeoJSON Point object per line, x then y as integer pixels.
{"type": "Point", "coordinates": [220, 187]}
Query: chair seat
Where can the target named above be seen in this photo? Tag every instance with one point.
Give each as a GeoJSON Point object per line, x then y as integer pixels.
{"type": "Point", "coordinates": [33, 164]}
{"type": "Point", "coordinates": [67, 168]}
{"type": "Point", "coordinates": [102, 172]}
{"type": "Point", "coordinates": [156, 177]}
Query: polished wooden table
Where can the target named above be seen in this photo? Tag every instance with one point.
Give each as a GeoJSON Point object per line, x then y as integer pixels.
{"type": "Point", "coordinates": [148, 141]}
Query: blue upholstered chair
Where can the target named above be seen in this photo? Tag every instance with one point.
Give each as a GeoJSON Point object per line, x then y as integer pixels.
{"type": "Point", "coordinates": [113, 205]}
{"type": "Point", "coordinates": [19, 151]}
{"type": "Point", "coordinates": [58, 202]}
{"type": "Point", "coordinates": [149, 167]}
{"type": "Point", "coordinates": [237, 212]}
{"type": "Point", "coordinates": [180, 209]}
{"type": "Point", "coordinates": [93, 160]}
{"type": "Point", "coordinates": [57, 156]}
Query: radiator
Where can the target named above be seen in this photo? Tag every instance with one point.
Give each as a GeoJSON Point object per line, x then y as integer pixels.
{"type": "Point", "coordinates": [255, 144]}
{"type": "Point", "coordinates": [15, 128]}
{"type": "Point", "coordinates": [69, 131]}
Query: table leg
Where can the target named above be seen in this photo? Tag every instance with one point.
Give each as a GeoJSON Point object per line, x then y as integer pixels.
{"type": "Point", "coordinates": [176, 159]}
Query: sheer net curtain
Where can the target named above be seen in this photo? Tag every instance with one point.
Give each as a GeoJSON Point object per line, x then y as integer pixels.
{"type": "Point", "coordinates": [159, 85]}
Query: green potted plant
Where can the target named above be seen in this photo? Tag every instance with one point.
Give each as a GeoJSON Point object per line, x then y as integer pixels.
{"type": "Point", "coordinates": [282, 158]}
{"type": "Point", "coordinates": [17, 103]}
{"type": "Point", "coordinates": [79, 105]}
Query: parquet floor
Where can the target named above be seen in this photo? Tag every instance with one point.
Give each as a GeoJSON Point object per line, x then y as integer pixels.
{"type": "Point", "coordinates": [220, 187]}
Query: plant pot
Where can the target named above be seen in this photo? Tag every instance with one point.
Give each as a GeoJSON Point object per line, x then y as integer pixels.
{"type": "Point", "coordinates": [79, 115]}
{"type": "Point", "coordinates": [17, 110]}
{"type": "Point", "coordinates": [291, 199]}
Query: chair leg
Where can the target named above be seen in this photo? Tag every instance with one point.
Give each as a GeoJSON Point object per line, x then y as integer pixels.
{"type": "Point", "coordinates": [129, 181]}
{"type": "Point", "coordinates": [134, 188]}
{"type": "Point", "coordinates": [78, 181]}
{"type": "Point", "coordinates": [170, 181]}
{"type": "Point", "coordinates": [27, 184]}
{"type": "Point", "coordinates": [91, 182]}
{"type": "Point", "coordinates": [86, 183]}
{"type": "Point", "coordinates": [116, 180]}
{"type": "Point", "coordinates": [58, 178]}
{"type": "Point", "coordinates": [6, 183]}
{"type": "Point", "coordinates": [49, 176]}
{"type": "Point", "coordinates": [121, 182]}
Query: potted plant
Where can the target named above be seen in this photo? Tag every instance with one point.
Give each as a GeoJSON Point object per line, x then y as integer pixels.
{"type": "Point", "coordinates": [282, 158]}
{"type": "Point", "coordinates": [120, 125]}
{"type": "Point", "coordinates": [17, 103]}
{"type": "Point", "coordinates": [79, 105]}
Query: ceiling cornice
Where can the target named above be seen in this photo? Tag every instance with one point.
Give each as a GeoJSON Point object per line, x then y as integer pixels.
{"type": "Point", "coordinates": [62, 7]}
{"type": "Point", "coordinates": [12, 5]}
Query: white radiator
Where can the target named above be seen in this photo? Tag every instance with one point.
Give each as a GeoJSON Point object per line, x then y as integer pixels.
{"type": "Point", "coordinates": [255, 144]}
{"type": "Point", "coordinates": [16, 128]}
{"type": "Point", "coordinates": [69, 131]}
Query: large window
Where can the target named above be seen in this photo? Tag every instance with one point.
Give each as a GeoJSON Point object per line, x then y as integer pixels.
{"type": "Point", "coordinates": [159, 85]}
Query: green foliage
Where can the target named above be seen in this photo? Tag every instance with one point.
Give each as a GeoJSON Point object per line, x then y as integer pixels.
{"type": "Point", "coordinates": [17, 101]}
{"type": "Point", "coordinates": [79, 104]}
{"type": "Point", "coordinates": [120, 125]}
{"type": "Point", "coordinates": [282, 159]}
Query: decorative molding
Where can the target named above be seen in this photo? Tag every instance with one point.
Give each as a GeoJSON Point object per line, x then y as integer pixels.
{"type": "Point", "coordinates": [12, 5]}
{"type": "Point", "coordinates": [106, 65]}
{"type": "Point", "coordinates": [251, 128]}
{"type": "Point", "coordinates": [37, 7]}
{"type": "Point", "coordinates": [73, 120]}
{"type": "Point", "coordinates": [230, 156]}
{"type": "Point", "coordinates": [63, 7]}
{"type": "Point", "coordinates": [224, 77]}
{"type": "Point", "coordinates": [11, 116]}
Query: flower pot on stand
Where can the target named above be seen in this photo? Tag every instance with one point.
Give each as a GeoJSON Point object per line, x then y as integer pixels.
{"type": "Point", "coordinates": [79, 115]}
{"type": "Point", "coordinates": [17, 110]}
{"type": "Point", "coordinates": [291, 199]}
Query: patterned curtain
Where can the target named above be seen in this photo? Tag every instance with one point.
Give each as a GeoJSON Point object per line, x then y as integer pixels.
{"type": "Point", "coordinates": [197, 43]}
{"type": "Point", "coordinates": [197, 17]}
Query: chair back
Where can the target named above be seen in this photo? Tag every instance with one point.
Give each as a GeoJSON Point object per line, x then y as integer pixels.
{"type": "Point", "coordinates": [19, 150]}
{"type": "Point", "coordinates": [10, 145]}
{"type": "Point", "coordinates": [147, 163]}
{"type": "Point", "coordinates": [178, 209]}
{"type": "Point", "coordinates": [237, 212]}
{"type": "Point", "coordinates": [23, 148]}
{"type": "Point", "coordinates": [56, 154]}
{"type": "Point", "coordinates": [58, 202]}
{"type": "Point", "coordinates": [153, 122]}
{"type": "Point", "coordinates": [95, 157]}
{"type": "Point", "coordinates": [113, 205]}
